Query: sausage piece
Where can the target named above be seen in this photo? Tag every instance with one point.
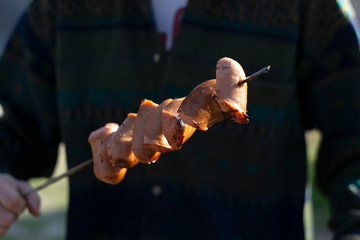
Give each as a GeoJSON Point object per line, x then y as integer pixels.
{"type": "Point", "coordinates": [199, 108]}
{"type": "Point", "coordinates": [103, 169]}
{"type": "Point", "coordinates": [230, 97]}
{"type": "Point", "coordinates": [119, 147]}
{"type": "Point", "coordinates": [175, 130]}
{"type": "Point", "coordinates": [163, 128]}
{"type": "Point", "coordinates": [154, 137]}
{"type": "Point", "coordinates": [143, 153]}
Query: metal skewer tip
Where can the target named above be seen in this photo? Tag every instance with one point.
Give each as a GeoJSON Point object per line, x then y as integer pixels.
{"type": "Point", "coordinates": [255, 75]}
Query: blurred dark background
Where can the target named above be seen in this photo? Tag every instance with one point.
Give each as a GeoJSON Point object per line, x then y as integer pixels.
{"type": "Point", "coordinates": [10, 11]}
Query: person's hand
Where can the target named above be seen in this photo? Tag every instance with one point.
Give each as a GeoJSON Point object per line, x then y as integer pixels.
{"type": "Point", "coordinates": [12, 203]}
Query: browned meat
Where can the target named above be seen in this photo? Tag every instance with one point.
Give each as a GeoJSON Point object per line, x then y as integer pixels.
{"type": "Point", "coordinates": [157, 129]}
{"type": "Point", "coordinates": [119, 147]}
{"type": "Point", "coordinates": [142, 153]}
{"type": "Point", "coordinates": [176, 131]}
{"type": "Point", "coordinates": [103, 169]}
{"type": "Point", "coordinates": [230, 97]}
{"type": "Point", "coordinates": [199, 108]}
{"type": "Point", "coordinates": [154, 137]}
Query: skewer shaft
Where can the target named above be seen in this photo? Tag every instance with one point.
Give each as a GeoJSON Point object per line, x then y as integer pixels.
{"type": "Point", "coordinates": [70, 172]}
{"type": "Point", "coordinates": [90, 161]}
{"type": "Point", "coordinates": [254, 75]}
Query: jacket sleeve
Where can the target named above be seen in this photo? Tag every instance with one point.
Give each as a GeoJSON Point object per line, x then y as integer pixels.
{"type": "Point", "coordinates": [29, 131]}
{"type": "Point", "coordinates": [329, 91]}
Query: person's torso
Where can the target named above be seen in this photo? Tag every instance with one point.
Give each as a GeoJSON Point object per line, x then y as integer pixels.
{"type": "Point", "coordinates": [236, 178]}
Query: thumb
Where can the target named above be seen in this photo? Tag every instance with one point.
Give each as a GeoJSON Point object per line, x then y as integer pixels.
{"type": "Point", "coordinates": [32, 199]}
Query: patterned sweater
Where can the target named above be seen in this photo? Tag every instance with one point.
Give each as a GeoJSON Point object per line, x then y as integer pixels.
{"type": "Point", "coordinates": [73, 65]}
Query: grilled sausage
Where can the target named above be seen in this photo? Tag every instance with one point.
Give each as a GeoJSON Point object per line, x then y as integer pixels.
{"type": "Point", "coordinates": [154, 137]}
{"type": "Point", "coordinates": [119, 147]}
{"type": "Point", "coordinates": [199, 108]}
{"type": "Point", "coordinates": [175, 130]}
{"type": "Point", "coordinates": [165, 127]}
{"type": "Point", "coordinates": [230, 97]}
{"type": "Point", "coordinates": [142, 153]}
{"type": "Point", "coordinates": [103, 169]}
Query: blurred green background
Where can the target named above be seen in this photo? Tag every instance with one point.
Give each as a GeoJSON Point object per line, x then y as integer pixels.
{"type": "Point", "coordinates": [316, 211]}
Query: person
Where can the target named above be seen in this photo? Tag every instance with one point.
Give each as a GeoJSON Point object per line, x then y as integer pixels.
{"type": "Point", "coordinates": [70, 67]}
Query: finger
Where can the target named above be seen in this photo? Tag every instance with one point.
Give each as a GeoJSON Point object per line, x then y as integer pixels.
{"type": "Point", "coordinates": [10, 196]}
{"type": "Point", "coordinates": [2, 230]}
{"type": "Point", "coordinates": [6, 217]}
{"type": "Point", "coordinates": [32, 199]}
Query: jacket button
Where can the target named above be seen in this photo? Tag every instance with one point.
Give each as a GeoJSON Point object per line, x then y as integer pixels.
{"type": "Point", "coordinates": [157, 57]}
{"type": "Point", "coordinates": [156, 190]}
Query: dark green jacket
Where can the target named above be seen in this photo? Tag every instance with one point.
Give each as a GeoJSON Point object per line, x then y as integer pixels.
{"type": "Point", "coordinates": [73, 65]}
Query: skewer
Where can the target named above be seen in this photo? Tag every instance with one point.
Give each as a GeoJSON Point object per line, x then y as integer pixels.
{"type": "Point", "coordinates": [81, 166]}
{"type": "Point", "coordinates": [52, 180]}
{"type": "Point", "coordinates": [255, 75]}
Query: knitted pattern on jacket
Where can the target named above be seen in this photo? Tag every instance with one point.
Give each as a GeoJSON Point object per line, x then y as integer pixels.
{"type": "Point", "coordinates": [73, 65]}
